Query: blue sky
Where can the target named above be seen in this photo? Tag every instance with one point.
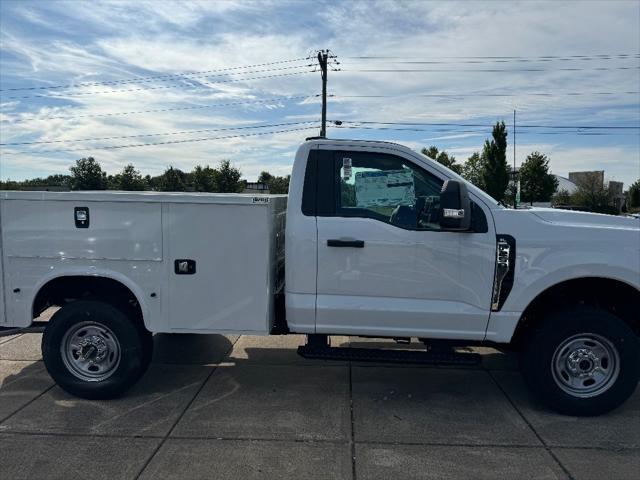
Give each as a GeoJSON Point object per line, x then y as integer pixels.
{"type": "Point", "coordinates": [89, 44]}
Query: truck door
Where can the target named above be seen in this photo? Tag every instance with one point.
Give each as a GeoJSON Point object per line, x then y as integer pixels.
{"type": "Point", "coordinates": [384, 265]}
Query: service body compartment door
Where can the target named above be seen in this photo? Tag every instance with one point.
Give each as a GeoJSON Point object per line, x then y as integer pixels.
{"type": "Point", "coordinates": [218, 266]}
{"type": "Point", "coordinates": [114, 230]}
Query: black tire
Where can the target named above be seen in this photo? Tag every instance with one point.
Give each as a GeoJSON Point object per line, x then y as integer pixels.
{"type": "Point", "coordinates": [133, 342]}
{"type": "Point", "coordinates": [542, 352]}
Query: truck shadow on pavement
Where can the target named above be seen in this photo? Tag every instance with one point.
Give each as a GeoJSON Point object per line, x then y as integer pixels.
{"type": "Point", "coordinates": [191, 349]}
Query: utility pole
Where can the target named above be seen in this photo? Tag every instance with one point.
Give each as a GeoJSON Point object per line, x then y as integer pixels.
{"type": "Point", "coordinates": [515, 184]}
{"type": "Point", "coordinates": [323, 56]}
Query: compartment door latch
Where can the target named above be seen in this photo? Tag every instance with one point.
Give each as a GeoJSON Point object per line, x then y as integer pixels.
{"type": "Point", "coordinates": [81, 217]}
{"type": "Point", "coordinates": [184, 266]}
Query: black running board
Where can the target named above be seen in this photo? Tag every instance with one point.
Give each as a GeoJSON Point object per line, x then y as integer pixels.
{"type": "Point", "coordinates": [388, 356]}
{"type": "Point", "coordinates": [35, 327]}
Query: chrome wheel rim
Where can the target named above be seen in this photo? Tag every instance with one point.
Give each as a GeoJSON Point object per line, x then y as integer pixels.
{"type": "Point", "coordinates": [585, 365]}
{"type": "Point", "coordinates": [90, 351]}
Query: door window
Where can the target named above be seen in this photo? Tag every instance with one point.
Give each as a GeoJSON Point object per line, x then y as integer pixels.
{"type": "Point", "coordinates": [387, 188]}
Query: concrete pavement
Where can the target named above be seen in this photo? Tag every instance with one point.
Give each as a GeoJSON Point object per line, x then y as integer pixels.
{"type": "Point", "coordinates": [248, 407]}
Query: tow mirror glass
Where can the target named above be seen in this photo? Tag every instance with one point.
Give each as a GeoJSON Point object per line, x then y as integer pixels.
{"type": "Point", "coordinates": [455, 206]}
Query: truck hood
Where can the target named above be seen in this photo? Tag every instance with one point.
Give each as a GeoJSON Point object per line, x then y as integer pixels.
{"type": "Point", "coordinates": [585, 219]}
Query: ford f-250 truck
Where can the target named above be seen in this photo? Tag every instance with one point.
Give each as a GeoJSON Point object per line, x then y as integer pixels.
{"type": "Point", "coordinates": [380, 241]}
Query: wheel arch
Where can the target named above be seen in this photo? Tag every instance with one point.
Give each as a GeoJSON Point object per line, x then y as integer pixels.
{"type": "Point", "coordinates": [68, 287]}
{"type": "Point", "coordinates": [614, 295]}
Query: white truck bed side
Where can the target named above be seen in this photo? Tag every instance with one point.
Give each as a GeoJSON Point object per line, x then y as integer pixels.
{"type": "Point", "coordinates": [135, 238]}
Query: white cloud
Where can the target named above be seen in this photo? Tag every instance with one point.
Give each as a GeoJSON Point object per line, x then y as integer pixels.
{"type": "Point", "coordinates": [124, 40]}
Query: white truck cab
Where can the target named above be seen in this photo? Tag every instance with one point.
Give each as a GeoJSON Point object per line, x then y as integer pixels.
{"type": "Point", "coordinates": [373, 240]}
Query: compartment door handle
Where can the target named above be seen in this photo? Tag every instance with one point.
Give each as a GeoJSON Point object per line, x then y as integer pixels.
{"type": "Point", "coordinates": [334, 242]}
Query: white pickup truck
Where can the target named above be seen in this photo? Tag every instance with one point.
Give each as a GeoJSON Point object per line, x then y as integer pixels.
{"type": "Point", "coordinates": [380, 242]}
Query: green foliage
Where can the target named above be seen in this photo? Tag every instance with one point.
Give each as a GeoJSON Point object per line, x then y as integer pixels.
{"type": "Point", "coordinates": [172, 180]}
{"type": "Point", "coordinates": [591, 194]}
{"type": "Point", "coordinates": [228, 178]}
{"type": "Point", "coordinates": [128, 180]}
{"type": "Point", "coordinates": [9, 185]}
{"type": "Point", "coordinates": [277, 185]}
{"type": "Point", "coordinates": [563, 197]}
{"type": "Point", "coordinates": [204, 179]}
{"type": "Point", "coordinates": [280, 185]}
{"type": "Point", "coordinates": [473, 169]}
{"type": "Point", "coordinates": [57, 180]}
{"type": "Point", "coordinates": [536, 183]}
{"type": "Point", "coordinates": [38, 183]}
{"type": "Point", "coordinates": [495, 174]}
{"type": "Point", "coordinates": [443, 158]}
{"type": "Point", "coordinates": [87, 174]}
{"type": "Point", "coordinates": [265, 177]}
{"type": "Point", "coordinates": [348, 194]}
{"type": "Point", "coordinates": [634, 195]}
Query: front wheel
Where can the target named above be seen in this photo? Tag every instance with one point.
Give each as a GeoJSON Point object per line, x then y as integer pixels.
{"type": "Point", "coordinates": [94, 350]}
{"type": "Point", "coordinates": [582, 361]}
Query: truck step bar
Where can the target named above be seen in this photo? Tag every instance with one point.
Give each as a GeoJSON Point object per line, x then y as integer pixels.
{"type": "Point", "coordinates": [35, 327]}
{"type": "Point", "coordinates": [317, 350]}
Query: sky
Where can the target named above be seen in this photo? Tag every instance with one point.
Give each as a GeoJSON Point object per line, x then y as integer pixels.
{"type": "Point", "coordinates": [80, 78]}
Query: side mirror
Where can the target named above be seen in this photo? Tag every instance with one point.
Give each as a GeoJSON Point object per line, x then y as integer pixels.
{"type": "Point", "coordinates": [455, 206]}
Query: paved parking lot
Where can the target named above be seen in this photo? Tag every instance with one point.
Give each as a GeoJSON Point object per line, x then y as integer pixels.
{"type": "Point", "coordinates": [248, 407]}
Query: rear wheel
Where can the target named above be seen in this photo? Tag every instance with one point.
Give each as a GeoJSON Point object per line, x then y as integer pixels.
{"type": "Point", "coordinates": [95, 350]}
{"type": "Point", "coordinates": [582, 361]}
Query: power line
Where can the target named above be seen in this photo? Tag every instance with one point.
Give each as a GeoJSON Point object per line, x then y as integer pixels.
{"type": "Point", "coordinates": [574, 127]}
{"type": "Point", "coordinates": [398, 60]}
{"type": "Point", "coordinates": [486, 130]}
{"type": "Point", "coordinates": [488, 94]}
{"type": "Point", "coordinates": [160, 88]}
{"type": "Point", "coordinates": [169, 142]}
{"type": "Point", "coordinates": [440, 130]}
{"type": "Point", "coordinates": [197, 107]}
{"type": "Point", "coordinates": [161, 77]}
{"type": "Point", "coordinates": [183, 132]}
{"type": "Point", "coordinates": [603, 56]}
{"type": "Point", "coordinates": [193, 78]}
{"type": "Point", "coordinates": [484, 70]}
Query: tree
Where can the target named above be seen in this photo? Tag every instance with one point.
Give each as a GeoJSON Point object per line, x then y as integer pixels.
{"type": "Point", "coordinates": [172, 180]}
{"type": "Point", "coordinates": [265, 177]}
{"type": "Point", "coordinates": [129, 180]}
{"type": "Point", "coordinates": [472, 170]}
{"type": "Point", "coordinates": [57, 180]}
{"type": "Point", "coordinates": [563, 197]}
{"type": "Point", "coordinates": [277, 185]}
{"type": "Point", "coordinates": [591, 193]}
{"type": "Point", "coordinates": [634, 195]}
{"type": "Point", "coordinates": [204, 179]}
{"type": "Point", "coordinates": [87, 174]}
{"type": "Point", "coordinates": [536, 183]}
{"type": "Point", "coordinates": [9, 185]}
{"type": "Point", "coordinates": [228, 178]}
{"type": "Point", "coordinates": [443, 158]}
{"type": "Point", "coordinates": [495, 174]}
{"type": "Point", "coordinates": [280, 185]}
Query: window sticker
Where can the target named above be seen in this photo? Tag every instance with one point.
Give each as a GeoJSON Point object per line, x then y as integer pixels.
{"type": "Point", "coordinates": [384, 188]}
{"type": "Point", "coordinates": [346, 168]}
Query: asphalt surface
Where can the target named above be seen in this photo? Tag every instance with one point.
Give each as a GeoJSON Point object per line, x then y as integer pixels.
{"type": "Point", "coordinates": [249, 407]}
